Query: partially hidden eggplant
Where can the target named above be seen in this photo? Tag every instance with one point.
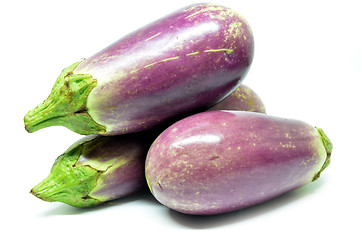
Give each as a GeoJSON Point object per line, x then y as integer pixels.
{"type": "Point", "coordinates": [221, 161]}
{"type": "Point", "coordinates": [242, 99]}
{"type": "Point", "coordinates": [188, 60]}
{"type": "Point", "coordinates": [97, 169]}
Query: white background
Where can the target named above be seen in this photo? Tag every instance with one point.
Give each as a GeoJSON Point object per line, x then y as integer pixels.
{"type": "Point", "coordinates": [307, 65]}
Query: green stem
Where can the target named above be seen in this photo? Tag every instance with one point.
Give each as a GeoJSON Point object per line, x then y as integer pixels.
{"type": "Point", "coordinates": [66, 105]}
{"type": "Point", "coordinates": [68, 182]}
{"type": "Point", "coordinates": [328, 147]}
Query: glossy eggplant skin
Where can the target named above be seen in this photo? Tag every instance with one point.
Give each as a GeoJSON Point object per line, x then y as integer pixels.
{"type": "Point", "coordinates": [97, 169]}
{"type": "Point", "coordinates": [242, 99]}
{"type": "Point", "coordinates": [221, 161]}
{"type": "Point", "coordinates": [188, 60]}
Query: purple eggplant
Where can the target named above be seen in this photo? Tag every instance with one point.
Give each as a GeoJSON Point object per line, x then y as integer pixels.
{"type": "Point", "coordinates": [97, 169]}
{"type": "Point", "coordinates": [242, 99]}
{"type": "Point", "coordinates": [220, 161]}
{"type": "Point", "coordinates": [188, 60]}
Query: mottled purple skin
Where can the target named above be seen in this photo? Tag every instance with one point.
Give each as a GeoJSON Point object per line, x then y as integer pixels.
{"type": "Point", "coordinates": [122, 159]}
{"type": "Point", "coordinates": [220, 161]}
{"type": "Point", "coordinates": [119, 179]}
{"type": "Point", "coordinates": [242, 99]}
{"type": "Point", "coordinates": [187, 60]}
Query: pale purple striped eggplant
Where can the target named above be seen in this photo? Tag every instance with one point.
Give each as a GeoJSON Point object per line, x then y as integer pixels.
{"type": "Point", "coordinates": [220, 161]}
{"type": "Point", "coordinates": [97, 169]}
{"type": "Point", "coordinates": [242, 99]}
{"type": "Point", "coordinates": [188, 60]}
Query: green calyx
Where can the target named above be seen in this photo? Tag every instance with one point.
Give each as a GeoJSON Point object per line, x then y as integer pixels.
{"type": "Point", "coordinates": [69, 182]}
{"type": "Point", "coordinates": [328, 147]}
{"type": "Point", "coordinates": [66, 105]}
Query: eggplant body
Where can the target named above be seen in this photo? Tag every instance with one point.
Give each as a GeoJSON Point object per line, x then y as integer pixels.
{"type": "Point", "coordinates": [97, 169]}
{"type": "Point", "coordinates": [188, 60]}
{"type": "Point", "coordinates": [220, 161]}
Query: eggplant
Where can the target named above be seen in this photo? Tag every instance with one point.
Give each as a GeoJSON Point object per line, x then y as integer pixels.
{"type": "Point", "coordinates": [242, 99]}
{"type": "Point", "coordinates": [97, 169]}
{"type": "Point", "coordinates": [188, 60]}
{"type": "Point", "coordinates": [221, 161]}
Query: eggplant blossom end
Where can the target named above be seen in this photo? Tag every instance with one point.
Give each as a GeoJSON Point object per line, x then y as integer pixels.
{"type": "Point", "coordinates": [66, 105]}
{"type": "Point", "coordinates": [328, 147]}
